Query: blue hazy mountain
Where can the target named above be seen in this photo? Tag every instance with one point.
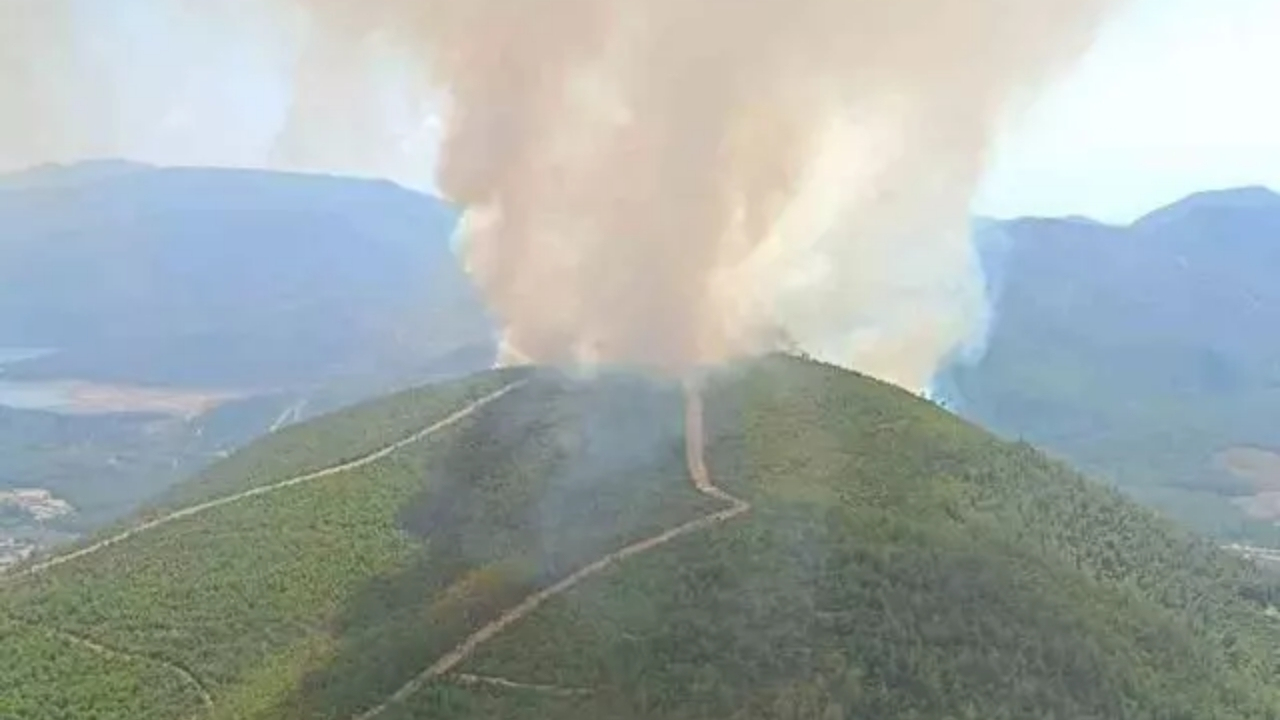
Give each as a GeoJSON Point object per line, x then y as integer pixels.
{"type": "Point", "coordinates": [226, 277]}
{"type": "Point", "coordinates": [1143, 353]}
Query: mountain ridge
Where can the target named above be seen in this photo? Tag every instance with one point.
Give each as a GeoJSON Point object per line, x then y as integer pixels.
{"type": "Point", "coordinates": [187, 260]}
{"type": "Point", "coordinates": [1251, 197]}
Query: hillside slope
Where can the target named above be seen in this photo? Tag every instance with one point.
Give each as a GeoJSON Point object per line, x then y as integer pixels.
{"type": "Point", "coordinates": [893, 562]}
{"type": "Point", "coordinates": [1144, 354]}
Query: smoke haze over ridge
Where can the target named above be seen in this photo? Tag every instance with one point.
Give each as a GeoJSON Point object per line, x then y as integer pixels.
{"type": "Point", "coordinates": [670, 182]}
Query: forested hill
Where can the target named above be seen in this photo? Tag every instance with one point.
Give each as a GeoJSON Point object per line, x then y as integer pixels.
{"type": "Point", "coordinates": [1146, 354]}
{"type": "Point", "coordinates": [892, 562]}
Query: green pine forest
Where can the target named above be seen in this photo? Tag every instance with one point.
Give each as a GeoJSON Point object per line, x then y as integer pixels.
{"type": "Point", "coordinates": [897, 562]}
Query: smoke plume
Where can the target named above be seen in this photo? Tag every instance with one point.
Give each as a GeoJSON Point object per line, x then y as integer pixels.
{"type": "Point", "coordinates": [671, 183]}
{"type": "Point", "coordinates": [660, 182]}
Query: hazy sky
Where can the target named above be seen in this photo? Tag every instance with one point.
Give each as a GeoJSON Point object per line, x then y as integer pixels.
{"type": "Point", "coordinates": [1178, 96]}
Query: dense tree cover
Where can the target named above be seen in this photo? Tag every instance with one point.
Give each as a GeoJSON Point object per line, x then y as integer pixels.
{"type": "Point", "coordinates": [322, 599]}
{"type": "Point", "coordinates": [221, 591]}
{"type": "Point", "coordinates": [1138, 353]}
{"type": "Point", "coordinates": [46, 675]}
{"type": "Point", "coordinates": [337, 438]}
{"type": "Point", "coordinates": [897, 563]}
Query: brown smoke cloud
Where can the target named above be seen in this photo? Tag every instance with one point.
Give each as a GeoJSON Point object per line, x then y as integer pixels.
{"type": "Point", "coordinates": [671, 182]}
{"type": "Point", "coordinates": [663, 182]}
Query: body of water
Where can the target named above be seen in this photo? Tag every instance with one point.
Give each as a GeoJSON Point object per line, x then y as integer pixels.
{"type": "Point", "coordinates": [49, 396]}
{"type": "Point", "coordinates": [29, 395]}
{"type": "Point", "coordinates": [78, 397]}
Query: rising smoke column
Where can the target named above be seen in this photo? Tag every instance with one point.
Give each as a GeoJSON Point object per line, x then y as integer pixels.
{"type": "Point", "coordinates": [671, 182]}
{"type": "Point", "coordinates": [665, 182]}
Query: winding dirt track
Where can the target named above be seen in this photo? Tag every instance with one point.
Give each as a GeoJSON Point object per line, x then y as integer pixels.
{"type": "Point", "coordinates": [187, 676]}
{"type": "Point", "coordinates": [698, 473]}
{"type": "Point", "coordinates": [359, 462]}
{"type": "Point", "coordinates": [291, 415]}
{"type": "Point", "coordinates": [695, 442]}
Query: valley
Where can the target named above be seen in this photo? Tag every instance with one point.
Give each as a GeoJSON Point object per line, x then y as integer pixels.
{"type": "Point", "coordinates": [138, 346]}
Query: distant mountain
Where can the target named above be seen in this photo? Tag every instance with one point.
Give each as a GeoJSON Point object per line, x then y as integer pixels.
{"type": "Point", "coordinates": [291, 293]}
{"type": "Point", "coordinates": [1146, 353]}
{"type": "Point", "coordinates": [859, 554]}
{"type": "Point", "coordinates": [226, 278]}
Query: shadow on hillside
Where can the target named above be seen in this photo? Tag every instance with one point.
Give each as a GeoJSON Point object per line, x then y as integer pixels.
{"type": "Point", "coordinates": [524, 491]}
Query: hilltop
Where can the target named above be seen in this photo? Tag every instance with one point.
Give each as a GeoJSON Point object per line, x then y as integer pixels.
{"type": "Point", "coordinates": [1145, 354]}
{"type": "Point", "coordinates": [852, 552]}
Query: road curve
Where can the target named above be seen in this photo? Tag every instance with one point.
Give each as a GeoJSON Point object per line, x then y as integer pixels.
{"type": "Point", "coordinates": [290, 415]}
{"type": "Point", "coordinates": [695, 443]}
{"type": "Point", "coordinates": [359, 462]}
{"type": "Point", "coordinates": [187, 676]}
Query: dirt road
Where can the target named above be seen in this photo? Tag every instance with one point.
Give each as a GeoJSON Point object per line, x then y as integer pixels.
{"type": "Point", "coordinates": [695, 441]}
{"type": "Point", "coordinates": [289, 416]}
{"type": "Point", "coordinates": [187, 676]}
{"type": "Point", "coordinates": [362, 461]}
